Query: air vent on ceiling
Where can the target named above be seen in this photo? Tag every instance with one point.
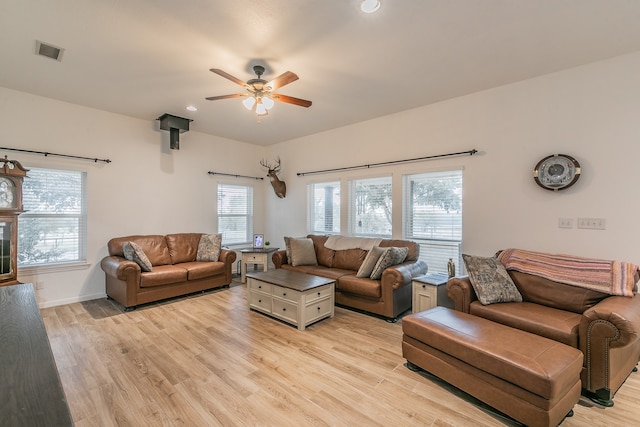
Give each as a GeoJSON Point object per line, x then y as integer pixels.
{"type": "Point", "coordinates": [49, 51]}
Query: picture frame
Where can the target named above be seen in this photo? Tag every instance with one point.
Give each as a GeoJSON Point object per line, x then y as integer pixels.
{"type": "Point", "coordinates": [258, 241]}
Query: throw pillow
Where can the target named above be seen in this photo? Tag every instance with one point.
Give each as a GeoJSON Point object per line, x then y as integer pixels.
{"type": "Point", "coordinates": [392, 256]}
{"type": "Point", "coordinates": [133, 252]}
{"type": "Point", "coordinates": [370, 261]}
{"type": "Point", "coordinates": [302, 252]}
{"type": "Point", "coordinates": [490, 280]}
{"type": "Point", "coordinates": [209, 247]}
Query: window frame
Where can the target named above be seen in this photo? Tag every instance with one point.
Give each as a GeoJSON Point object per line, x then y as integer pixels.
{"type": "Point", "coordinates": [249, 214]}
{"type": "Point", "coordinates": [81, 243]}
{"type": "Point", "coordinates": [352, 205]}
{"type": "Point", "coordinates": [436, 250]}
{"type": "Point", "coordinates": [312, 203]}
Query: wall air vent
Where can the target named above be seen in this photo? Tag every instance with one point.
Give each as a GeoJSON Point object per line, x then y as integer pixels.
{"type": "Point", "coordinates": [49, 51]}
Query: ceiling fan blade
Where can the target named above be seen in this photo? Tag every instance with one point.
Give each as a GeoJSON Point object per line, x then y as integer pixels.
{"type": "Point", "coordinates": [236, 95]}
{"type": "Point", "coordinates": [228, 76]}
{"type": "Point", "coordinates": [291, 100]}
{"type": "Point", "coordinates": [283, 79]}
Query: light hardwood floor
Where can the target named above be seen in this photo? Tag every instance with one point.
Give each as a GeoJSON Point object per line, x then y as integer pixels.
{"type": "Point", "coordinates": [207, 360]}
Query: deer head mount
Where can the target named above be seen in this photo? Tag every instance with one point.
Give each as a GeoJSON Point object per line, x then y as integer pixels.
{"type": "Point", "coordinates": [279, 187]}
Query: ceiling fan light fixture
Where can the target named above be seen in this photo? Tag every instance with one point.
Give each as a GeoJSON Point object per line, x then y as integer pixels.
{"type": "Point", "coordinates": [260, 109]}
{"type": "Point", "coordinates": [268, 102]}
{"type": "Point", "coordinates": [370, 6]}
{"type": "Point", "coordinates": [249, 102]}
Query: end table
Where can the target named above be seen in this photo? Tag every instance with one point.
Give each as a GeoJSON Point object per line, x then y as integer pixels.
{"type": "Point", "coordinates": [259, 256]}
{"type": "Point", "coordinates": [430, 291]}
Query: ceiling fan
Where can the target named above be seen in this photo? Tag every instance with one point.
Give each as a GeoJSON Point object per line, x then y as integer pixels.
{"type": "Point", "coordinates": [259, 96]}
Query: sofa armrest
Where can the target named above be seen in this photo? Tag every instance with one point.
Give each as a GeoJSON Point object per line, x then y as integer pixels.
{"type": "Point", "coordinates": [401, 275]}
{"type": "Point", "coordinates": [460, 291]}
{"type": "Point", "coordinates": [121, 269]}
{"type": "Point", "coordinates": [279, 258]}
{"type": "Point", "coordinates": [227, 256]}
{"type": "Point", "coordinates": [608, 338]}
{"type": "Point", "coordinates": [613, 322]}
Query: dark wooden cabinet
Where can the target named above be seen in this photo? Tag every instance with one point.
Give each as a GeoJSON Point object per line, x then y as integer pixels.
{"type": "Point", "coordinates": [11, 178]}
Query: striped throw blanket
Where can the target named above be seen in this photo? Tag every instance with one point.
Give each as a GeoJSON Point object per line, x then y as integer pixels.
{"type": "Point", "coordinates": [610, 277]}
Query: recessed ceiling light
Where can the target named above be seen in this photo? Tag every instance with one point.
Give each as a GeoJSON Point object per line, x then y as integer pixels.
{"type": "Point", "coordinates": [370, 6]}
{"type": "Point", "coordinates": [192, 108]}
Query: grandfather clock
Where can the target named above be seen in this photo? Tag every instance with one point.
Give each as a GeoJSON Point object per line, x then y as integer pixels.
{"type": "Point", "coordinates": [11, 176]}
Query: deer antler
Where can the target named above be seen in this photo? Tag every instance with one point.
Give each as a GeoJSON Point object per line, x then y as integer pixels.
{"type": "Point", "coordinates": [264, 164]}
{"type": "Point", "coordinates": [271, 168]}
{"type": "Point", "coordinates": [277, 167]}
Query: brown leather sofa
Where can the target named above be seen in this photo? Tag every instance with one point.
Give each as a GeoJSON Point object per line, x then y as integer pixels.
{"type": "Point", "coordinates": [605, 328]}
{"type": "Point", "coordinates": [175, 270]}
{"type": "Point", "coordinates": [388, 297]}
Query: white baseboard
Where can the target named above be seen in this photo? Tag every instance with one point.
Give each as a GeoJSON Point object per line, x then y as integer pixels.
{"type": "Point", "coordinates": [65, 301]}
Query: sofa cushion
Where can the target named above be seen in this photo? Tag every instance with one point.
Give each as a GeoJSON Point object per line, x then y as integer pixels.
{"type": "Point", "coordinates": [490, 280]}
{"type": "Point", "coordinates": [391, 256]}
{"type": "Point", "coordinates": [200, 270]}
{"type": "Point", "coordinates": [324, 255]}
{"type": "Point", "coordinates": [349, 259]}
{"type": "Point", "coordinates": [558, 325]}
{"type": "Point", "coordinates": [414, 248]}
{"type": "Point", "coordinates": [287, 246]}
{"type": "Point", "coordinates": [163, 275]}
{"type": "Point", "coordinates": [183, 247]}
{"type": "Point", "coordinates": [302, 252]}
{"type": "Point", "coordinates": [134, 253]}
{"type": "Point", "coordinates": [209, 248]}
{"type": "Point", "coordinates": [554, 294]}
{"type": "Point", "coordinates": [154, 246]}
{"type": "Point", "coordinates": [370, 261]}
{"type": "Point", "coordinates": [359, 286]}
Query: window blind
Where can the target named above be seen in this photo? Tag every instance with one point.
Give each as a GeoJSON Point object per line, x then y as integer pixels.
{"type": "Point", "coordinates": [323, 213]}
{"type": "Point", "coordinates": [54, 227]}
{"type": "Point", "coordinates": [432, 216]}
{"type": "Point", "coordinates": [370, 207]}
{"type": "Point", "coordinates": [235, 213]}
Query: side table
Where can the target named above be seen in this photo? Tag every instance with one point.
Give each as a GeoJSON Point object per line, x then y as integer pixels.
{"type": "Point", "coordinates": [430, 291]}
{"type": "Point", "coordinates": [255, 256]}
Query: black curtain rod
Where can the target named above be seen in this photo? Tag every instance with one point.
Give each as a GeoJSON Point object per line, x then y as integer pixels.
{"type": "Point", "coordinates": [393, 162]}
{"type": "Point", "coordinates": [235, 176]}
{"type": "Point", "coordinates": [45, 153]}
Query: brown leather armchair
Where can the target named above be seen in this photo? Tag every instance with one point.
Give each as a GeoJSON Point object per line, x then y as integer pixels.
{"type": "Point", "coordinates": [605, 328]}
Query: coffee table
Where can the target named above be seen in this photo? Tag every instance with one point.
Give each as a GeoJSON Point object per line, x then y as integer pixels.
{"type": "Point", "coordinates": [296, 298]}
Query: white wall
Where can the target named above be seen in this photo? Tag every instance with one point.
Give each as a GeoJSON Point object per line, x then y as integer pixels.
{"type": "Point", "coordinates": [147, 189]}
{"type": "Point", "coordinates": [591, 113]}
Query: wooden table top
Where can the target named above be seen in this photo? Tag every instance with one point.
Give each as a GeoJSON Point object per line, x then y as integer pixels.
{"type": "Point", "coordinates": [291, 279]}
{"type": "Point", "coordinates": [31, 392]}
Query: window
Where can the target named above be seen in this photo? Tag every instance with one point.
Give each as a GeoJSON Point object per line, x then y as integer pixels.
{"type": "Point", "coordinates": [235, 213]}
{"type": "Point", "coordinates": [54, 227]}
{"type": "Point", "coordinates": [432, 216]}
{"type": "Point", "coordinates": [323, 215]}
{"type": "Point", "coordinates": [370, 207]}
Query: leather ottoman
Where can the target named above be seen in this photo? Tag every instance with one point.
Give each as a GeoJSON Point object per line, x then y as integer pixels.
{"type": "Point", "coordinates": [530, 378]}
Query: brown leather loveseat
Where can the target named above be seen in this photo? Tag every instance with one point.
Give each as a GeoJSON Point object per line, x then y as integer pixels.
{"type": "Point", "coordinates": [605, 328]}
{"type": "Point", "coordinates": [389, 296]}
{"type": "Point", "coordinates": [174, 272]}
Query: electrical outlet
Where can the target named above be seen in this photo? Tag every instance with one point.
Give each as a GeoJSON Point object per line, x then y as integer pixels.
{"type": "Point", "coordinates": [592, 223]}
{"type": "Point", "coordinates": [39, 284]}
{"type": "Point", "coordinates": [565, 222]}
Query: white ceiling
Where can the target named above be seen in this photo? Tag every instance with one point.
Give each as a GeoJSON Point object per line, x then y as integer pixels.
{"type": "Point", "coordinates": [143, 58]}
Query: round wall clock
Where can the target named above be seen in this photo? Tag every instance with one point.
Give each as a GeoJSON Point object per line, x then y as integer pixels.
{"type": "Point", "coordinates": [556, 172]}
